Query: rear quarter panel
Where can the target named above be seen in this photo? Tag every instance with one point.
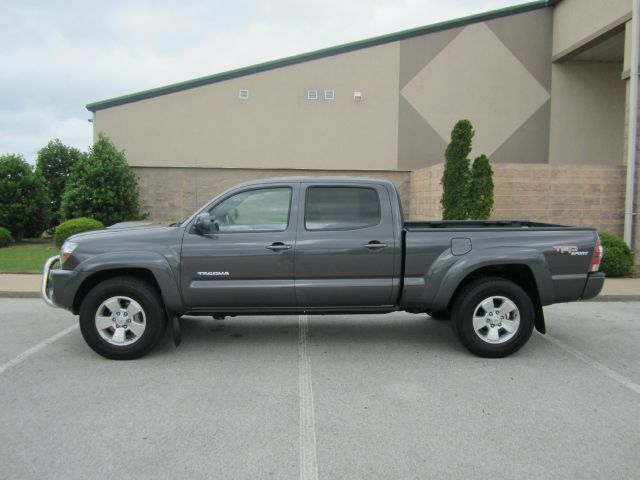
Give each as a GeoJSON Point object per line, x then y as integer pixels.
{"type": "Point", "coordinates": [433, 272]}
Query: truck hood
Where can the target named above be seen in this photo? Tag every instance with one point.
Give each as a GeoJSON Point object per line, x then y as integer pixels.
{"type": "Point", "coordinates": [128, 231]}
{"type": "Point", "coordinates": [161, 239]}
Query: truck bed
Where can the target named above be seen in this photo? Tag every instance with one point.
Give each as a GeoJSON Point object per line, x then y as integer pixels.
{"type": "Point", "coordinates": [471, 224]}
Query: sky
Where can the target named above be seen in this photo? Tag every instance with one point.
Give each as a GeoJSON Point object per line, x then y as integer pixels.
{"type": "Point", "coordinates": [56, 56]}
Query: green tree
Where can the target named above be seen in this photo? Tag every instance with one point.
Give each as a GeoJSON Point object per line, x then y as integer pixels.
{"type": "Point", "coordinates": [455, 180]}
{"type": "Point", "coordinates": [102, 186]}
{"type": "Point", "coordinates": [23, 198]}
{"type": "Point", "coordinates": [481, 189]}
{"type": "Point", "coordinates": [54, 164]}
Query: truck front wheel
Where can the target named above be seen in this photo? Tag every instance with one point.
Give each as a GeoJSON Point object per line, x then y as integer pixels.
{"type": "Point", "coordinates": [493, 317]}
{"type": "Point", "coordinates": [122, 318]}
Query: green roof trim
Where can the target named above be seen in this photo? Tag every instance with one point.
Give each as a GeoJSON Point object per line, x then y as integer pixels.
{"type": "Point", "coordinates": [317, 54]}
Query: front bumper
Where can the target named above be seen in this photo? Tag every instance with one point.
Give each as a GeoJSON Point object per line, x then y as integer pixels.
{"type": "Point", "coordinates": [595, 282]}
{"type": "Point", "coordinates": [46, 291]}
{"type": "Point", "coordinates": [59, 286]}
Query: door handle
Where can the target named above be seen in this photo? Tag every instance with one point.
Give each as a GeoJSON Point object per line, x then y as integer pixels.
{"type": "Point", "coordinates": [375, 245]}
{"type": "Point", "coordinates": [277, 246]}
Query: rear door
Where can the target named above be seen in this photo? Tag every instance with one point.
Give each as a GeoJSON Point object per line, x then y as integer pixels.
{"type": "Point", "coordinates": [246, 260]}
{"type": "Point", "coordinates": [345, 249]}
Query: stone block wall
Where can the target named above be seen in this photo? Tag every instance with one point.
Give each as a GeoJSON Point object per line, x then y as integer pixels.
{"type": "Point", "coordinates": [587, 195]}
{"type": "Point", "coordinates": [590, 195]}
{"type": "Point", "coordinates": [174, 193]}
{"type": "Point", "coordinates": [571, 195]}
{"type": "Point", "coordinates": [425, 191]}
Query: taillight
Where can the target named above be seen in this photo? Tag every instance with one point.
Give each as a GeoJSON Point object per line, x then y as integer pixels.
{"type": "Point", "coordinates": [598, 252]}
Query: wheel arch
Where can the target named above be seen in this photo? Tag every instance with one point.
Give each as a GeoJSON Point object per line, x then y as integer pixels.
{"type": "Point", "coordinates": [519, 273]}
{"type": "Point", "coordinates": [102, 275]}
{"type": "Point", "coordinates": [148, 266]}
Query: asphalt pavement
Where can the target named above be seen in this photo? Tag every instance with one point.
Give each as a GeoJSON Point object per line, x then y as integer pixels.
{"type": "Point", "coordinates": [329, 397]}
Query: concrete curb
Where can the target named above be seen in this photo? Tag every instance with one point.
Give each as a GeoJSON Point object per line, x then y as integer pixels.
{"type": "Point", "coordinates": [615, 298]}
{"type": "Point", "coordinates": [19, 294]}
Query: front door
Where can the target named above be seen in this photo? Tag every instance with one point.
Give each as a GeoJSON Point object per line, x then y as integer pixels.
{"type": "Point", "coordinates": [246, 259]}
{"type": "Point", "coordinates": [345, 250]}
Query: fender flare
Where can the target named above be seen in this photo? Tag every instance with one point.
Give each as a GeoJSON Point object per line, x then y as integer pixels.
{"type": "Point", "coordinates": [449, 279]}
{"type": "Point", "coordinates": [155, 263]}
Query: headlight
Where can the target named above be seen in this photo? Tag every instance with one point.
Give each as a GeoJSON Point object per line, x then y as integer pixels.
{"type": "Point", "coordinates": [67, 249]}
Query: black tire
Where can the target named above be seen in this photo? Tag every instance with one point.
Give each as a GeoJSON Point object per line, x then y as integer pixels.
{"type": "Point", "coordinates": [155, 318]}
{"type": "Point", "coordinates": [467, 303]}
{"type": "Point", "coordinates": [442, 315]}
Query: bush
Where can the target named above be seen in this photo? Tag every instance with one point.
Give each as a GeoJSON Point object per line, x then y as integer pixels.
{"type": "Point", "coordinates": [23, 198]}
{"type": "Point", "coordinates": [54, 165]}
{"type": "Point", "coordinates": [455, 180]}
{"type": "Point", "coordinates": [102, 186]}
{"type": "Point", "coordinates": [618, 257]}
{"type": "Point", "coordinates": [73, 226]}
{"type": "Point", "coordinates": [481, 189]}
{"type": "Point", "coordinates": [5, 237]}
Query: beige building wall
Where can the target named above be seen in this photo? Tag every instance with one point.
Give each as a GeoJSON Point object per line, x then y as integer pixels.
{"type": "Point", "coordinates": [568, 195]}
{"type": "Point", "coordinates": [494, 72]}
{"type": "Point", "coordinates": [277, 127]}
{"type": "Point", "coordinates": [554, 131]}
{"type": "Point", "coordinates": [577, 22]}
{"type": "Point", "coordinates": [587, 113]}
{"type": "Point", "coordinates": [477, 77]}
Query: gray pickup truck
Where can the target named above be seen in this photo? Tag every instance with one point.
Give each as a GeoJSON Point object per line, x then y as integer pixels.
{"type": "Point", "coordinates": [320, 246]}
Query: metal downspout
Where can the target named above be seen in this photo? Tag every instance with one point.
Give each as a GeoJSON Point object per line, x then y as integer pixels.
{"type": "Point", "coordinates": [633, 127]}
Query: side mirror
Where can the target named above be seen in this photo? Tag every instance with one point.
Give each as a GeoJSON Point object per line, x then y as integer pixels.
{"type": "Point", "coordinates": [203, 223]}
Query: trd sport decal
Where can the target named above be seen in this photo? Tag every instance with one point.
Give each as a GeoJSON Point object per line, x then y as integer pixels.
{"type": "Point", "coordinates": [570, 249]}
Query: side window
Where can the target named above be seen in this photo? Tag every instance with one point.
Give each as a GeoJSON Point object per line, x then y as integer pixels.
{"type": "Point", "coordinates": [341, 208]}
{"type": "Point", "coordinates": [263, 210]}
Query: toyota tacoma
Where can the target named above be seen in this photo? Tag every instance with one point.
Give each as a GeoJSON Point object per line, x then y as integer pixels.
{"type": "Point", "coordinates": [320, 246]}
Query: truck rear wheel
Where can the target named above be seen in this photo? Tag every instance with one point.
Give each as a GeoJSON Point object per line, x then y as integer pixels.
{"type": "Point", "coordinates": [122, 318]}
{"type": "Point", "coordinates": [493, 317]}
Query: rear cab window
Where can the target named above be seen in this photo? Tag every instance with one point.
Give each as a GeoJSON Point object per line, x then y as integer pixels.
{"type": "Point", "coordinates": [341, 208]}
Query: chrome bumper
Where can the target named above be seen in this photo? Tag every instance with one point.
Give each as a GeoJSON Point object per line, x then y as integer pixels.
{"type": "Point", "coordinates": [44, 286]}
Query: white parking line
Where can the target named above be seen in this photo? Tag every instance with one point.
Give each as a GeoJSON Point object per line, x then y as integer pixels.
{"type": "Point", "coordinates": [621, 379]}
{"type": "Point", "coordinates": [308, 462]}
{"type": "Point", "coordinates": [36, 348]}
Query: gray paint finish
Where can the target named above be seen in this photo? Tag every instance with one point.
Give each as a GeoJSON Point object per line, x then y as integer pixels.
{"type": "Point", "coordinates": [419, 145]}
{"type": "Point", "coordinates": [528, 36]}
{"type": "Point", "coordinates": [417, 52]}
{"type": "Point", "coordinates": [530, 143]}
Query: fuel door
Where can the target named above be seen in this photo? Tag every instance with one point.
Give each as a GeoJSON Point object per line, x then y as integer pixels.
{"type": "Point", "coordinates": [460, 246]}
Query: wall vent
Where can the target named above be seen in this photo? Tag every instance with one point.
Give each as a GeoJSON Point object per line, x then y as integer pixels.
{"type": "Point", "coordinates": [312, 94]}
{"type": "Point", "coordinates": [329, 95]}
{"type": "Point", "coordinates": [243, 94]}
{"type": "Point", "coordinates": [357, 96]}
